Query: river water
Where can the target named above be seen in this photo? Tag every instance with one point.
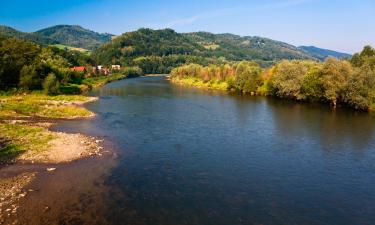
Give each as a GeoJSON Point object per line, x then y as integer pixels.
{"type": "Point", "coordinates": [192, 156]}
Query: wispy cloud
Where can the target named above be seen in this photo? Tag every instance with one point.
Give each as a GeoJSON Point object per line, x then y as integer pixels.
{"type": "Point", "coordinates": [285, 3]}
{"type": "Point", "coordinates": [178, 22]}
{"type": "Point", "coordinates": [193, 19]}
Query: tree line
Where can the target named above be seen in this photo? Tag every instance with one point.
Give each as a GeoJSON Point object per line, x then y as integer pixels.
{"type": "Point", "coordinates": [336, 82]}
{"type": "Point", "coordinates": [28, 66]}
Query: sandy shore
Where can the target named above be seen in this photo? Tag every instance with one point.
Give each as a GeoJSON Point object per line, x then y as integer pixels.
{"type": "Point", "coordinates": [62, 148]}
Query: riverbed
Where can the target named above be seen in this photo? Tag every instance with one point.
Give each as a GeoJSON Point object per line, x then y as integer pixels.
{"type": "Point", "coordinates": [191, 156]}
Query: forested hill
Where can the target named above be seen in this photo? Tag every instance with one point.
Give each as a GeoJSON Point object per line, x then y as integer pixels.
{"type": "Point", "coordinates": [70, 35]}
{"type": "Point", "coordinates": [75, 36]}
{"type": "Point", "coordinates": [159, 51]}
{"type": "Point", "coordinates": [33, 37]}
{"type": "Point", "coordinates": [163, 43]}
{"type": "Point", "coordinates": [234, 47]}
{"type": "Point", "coordinates": [322, 54]}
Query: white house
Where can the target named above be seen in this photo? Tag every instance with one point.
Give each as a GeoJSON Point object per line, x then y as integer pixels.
{"type": "Point", "coordinates": [116, 67]}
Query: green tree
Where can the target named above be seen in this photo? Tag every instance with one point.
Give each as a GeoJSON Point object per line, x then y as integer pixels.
{"type": "Point", "coordinates": [51, 84]}
{"type": "Point", "coordinates": [14, 54]}
{"type": "Point", "coordinates": [312, 84]}
{"type": "Point", "coordinates": [29, 78]}
{"type": "Point", "coordinates": [288, 77]}
{"type": "Point", "coordinates": [335, 76]}
{"type": "Point", "coordinates": [247, 78]}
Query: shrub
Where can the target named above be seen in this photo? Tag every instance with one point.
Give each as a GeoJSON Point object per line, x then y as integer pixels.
{"type": "Point", "coordinates": [51, 85]}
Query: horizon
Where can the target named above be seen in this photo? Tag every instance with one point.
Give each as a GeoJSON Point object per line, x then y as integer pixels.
{"type": "Point", "coordinates": [297, 22]}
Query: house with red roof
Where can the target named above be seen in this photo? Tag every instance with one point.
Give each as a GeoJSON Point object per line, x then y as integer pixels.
{"type": "Point", "coordinates": [78, 69]}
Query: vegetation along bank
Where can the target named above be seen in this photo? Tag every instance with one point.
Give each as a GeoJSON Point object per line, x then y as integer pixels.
{"type": "Point", "coordinates": [349, 83]}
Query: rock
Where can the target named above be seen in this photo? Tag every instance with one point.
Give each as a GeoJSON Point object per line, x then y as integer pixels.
{"type": "Point", "coordinates": [51, 169]}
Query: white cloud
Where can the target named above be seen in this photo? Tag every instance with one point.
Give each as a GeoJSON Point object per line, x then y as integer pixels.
{"type": "Point", "coordinates": [285, 3]}
{"type": "Point", "coordinates": [192, 19]}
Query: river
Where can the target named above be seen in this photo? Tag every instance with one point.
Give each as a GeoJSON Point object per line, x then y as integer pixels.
{"type": "Point", "coordinates": [193, 156]}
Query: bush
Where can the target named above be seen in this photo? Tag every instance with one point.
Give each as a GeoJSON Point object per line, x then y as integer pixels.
{"type": "Point", "coordinates": [29, 78]}
{"type": "Point", "coordinates": [134, 71]}
{"type": "Point", "coordinates": [51, 85]}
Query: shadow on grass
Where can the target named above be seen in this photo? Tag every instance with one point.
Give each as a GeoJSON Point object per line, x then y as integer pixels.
{"type": "Point", "coordinates": [8, 151]}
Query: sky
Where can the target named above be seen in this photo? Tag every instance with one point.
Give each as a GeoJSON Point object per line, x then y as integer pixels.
{"type": "Point", "coordinates": [342, 25]}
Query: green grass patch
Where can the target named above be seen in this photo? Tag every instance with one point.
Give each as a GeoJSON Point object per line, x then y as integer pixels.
{"type": "Point", "coordinates": [71, 48]}
{"type": "Point", "coordinates": [197, 82]}
{"type": "Point", "coordinates": [23, 139]}
{"type": "Point", "coordinates": [60, 106]}
{"type": "Point", "coordinates": [102, 80]}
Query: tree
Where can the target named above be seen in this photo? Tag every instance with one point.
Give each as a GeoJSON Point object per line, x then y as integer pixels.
{"type": "Point", "coordinates": [29, 78]}
{"type": "Point", "coordinates": [51, 84]}
{"type": "Point", "coordinates": [335, 76]}
{"type": "Point", "coordinates": [288, 77]}
{"type": "Point", "coordinates": [247, 78]}
{"type": "Point", "coordinates": [14, 54]}
{"type": "Point", "coordinates": [312, 84]}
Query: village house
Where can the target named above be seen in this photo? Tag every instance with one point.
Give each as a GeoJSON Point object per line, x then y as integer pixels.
{"type": "Point", "coordinates": [78, 69]}
{"type": "Point", "coordinates": [105, 71]}
{"type": "Point", "coordinates": [116, 67]}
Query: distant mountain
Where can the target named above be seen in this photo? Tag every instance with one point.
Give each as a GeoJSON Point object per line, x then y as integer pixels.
{"type": "Point", "coordinates": [75, 36]}
{"type": "Point", "coordinates": [33, 37]}
{"type": "Point", "coordinates": [322, 54]}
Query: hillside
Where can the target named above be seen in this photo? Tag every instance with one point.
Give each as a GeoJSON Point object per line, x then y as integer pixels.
{"type": "Point", "coordinates": [234, 47]}
{"type": "Point", "coordinates": [322, 54]}
{"type": "Point", "coordinates": [33, 37]}
{"type": "Point", "coordinates": [157, 51]}
{"type": "Point", "coordinates": [75, 36]}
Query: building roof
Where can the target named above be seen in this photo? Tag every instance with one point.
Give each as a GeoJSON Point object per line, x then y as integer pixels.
{"type": "Point", "coordinates": [78, 69]}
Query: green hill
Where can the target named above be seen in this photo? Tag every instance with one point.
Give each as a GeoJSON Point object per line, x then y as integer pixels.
{"type": "Point", "coordinates": [33, 37]}
{"type": "Point", "coordinates": [234, 47]}
{"type": "Point", "coordinates": [157, 51]}
{"type": "Point", "coordinates": [75, 36]}
{"type": "Point", "coordinates": [322, 54]}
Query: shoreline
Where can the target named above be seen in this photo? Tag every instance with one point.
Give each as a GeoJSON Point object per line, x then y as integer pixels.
{"type": "Point", "coordinates": [55, 149]}
{"type": "Point", "coordinates": [191, 82]}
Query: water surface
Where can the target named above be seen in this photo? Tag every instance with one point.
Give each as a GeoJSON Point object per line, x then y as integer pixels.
{"type": "Point", "coordinates": [191, 156]}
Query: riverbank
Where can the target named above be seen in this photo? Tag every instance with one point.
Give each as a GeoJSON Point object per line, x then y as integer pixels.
{"type": "Point", "coordinates": [224, 86]}
{"type": "Point", "coordinates": [25, 139]}
{"type": "Point", "coordinates": [197, 82]}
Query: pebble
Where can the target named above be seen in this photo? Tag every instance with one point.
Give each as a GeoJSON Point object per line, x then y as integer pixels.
{"type": "Point", "coordinates": [51, 169]}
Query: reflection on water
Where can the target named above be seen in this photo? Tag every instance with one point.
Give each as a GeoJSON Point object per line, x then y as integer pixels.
{"type": "Point", "coordinates": [193, 156]}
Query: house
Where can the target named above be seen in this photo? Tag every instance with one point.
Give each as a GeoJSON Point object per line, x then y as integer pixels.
{"type": "Point", "coordinates": [78, 69]}
{"type": "Point", "coordinates": [100, 67]}
{"type": "Point", "coordinates": [116, 67]}
{"type": "Point", "coordinates": [106, 71]}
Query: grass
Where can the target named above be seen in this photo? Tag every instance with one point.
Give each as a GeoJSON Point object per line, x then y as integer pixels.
{"type": "Point", "coordinates": [61, 46]}
{"type": "Point", "coordinates": [197, 82]}
{"type": "Point", "coordinates": [17, 139]}
{"type": "Point", "coordinates": [40, 105]}
{"type": "Point", "coordinates": [102, 80]}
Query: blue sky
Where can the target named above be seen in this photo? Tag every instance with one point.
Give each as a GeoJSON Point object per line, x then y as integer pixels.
{"type": "Point", "coordinates": [344, 25]}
